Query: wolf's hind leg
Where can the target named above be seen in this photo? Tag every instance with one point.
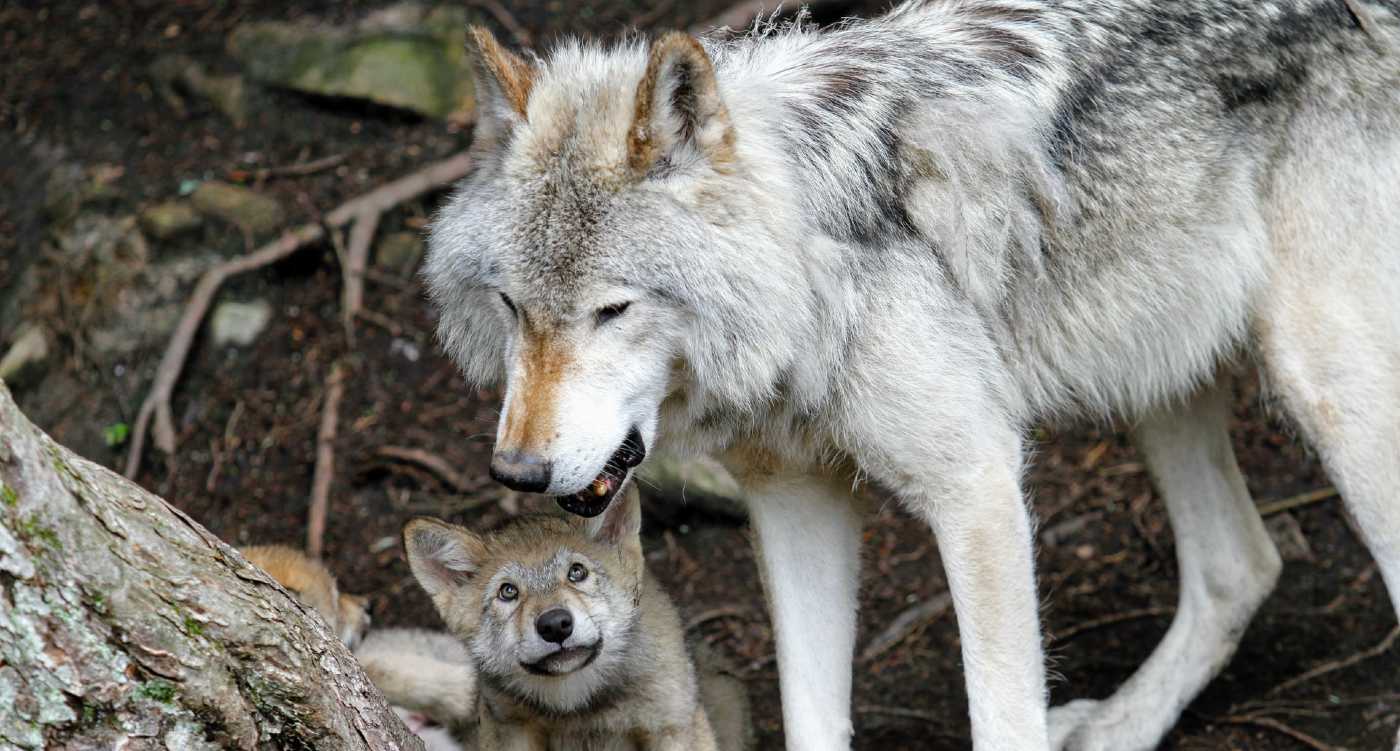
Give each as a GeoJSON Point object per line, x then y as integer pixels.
{"type": "Point", "coordinates": [1332, 355]}
{"type": "Point", "coordinates": [1227, 563]}
{"type": "Point", "coordinates": [808, 537]}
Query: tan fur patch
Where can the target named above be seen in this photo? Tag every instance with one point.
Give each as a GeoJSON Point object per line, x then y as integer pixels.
{"type": "Point", "coordinates": [515, 76]}
{"type": "Point", "coordinates": [530, 418]}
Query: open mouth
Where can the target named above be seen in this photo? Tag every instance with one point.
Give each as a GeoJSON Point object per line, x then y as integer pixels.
{"type": "Point", "coordinates": [594, 499]}
{"type": "Point", "coordinates": [564, 661]}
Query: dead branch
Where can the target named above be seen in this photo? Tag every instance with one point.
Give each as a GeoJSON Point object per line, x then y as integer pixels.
{"type": "Point", "coordinates": [431, 462]}
{"type": "Point", "coordinates": [298, 169]}
{"type": "Point", "coordinates": [1332, 666]}
{"type": "Point", "coordinates": [172, 363]}
{"type": "Point", "coordinates": [741, 14]}
{"type": "Point", "coordinates": [353, 271]}
{"type": "Point", "coordinates": [1109, 620]}
{"type": "Point", "coordinates": [325, 462]}
{"type": "Point", "coordinates": [905, 624]}
{"type": "Point", "coordinates": [1269, 723]}
{"type": "Point", "coordinates": [1292, 502]}
{"type": "Point", "coordinates": [714, 614]}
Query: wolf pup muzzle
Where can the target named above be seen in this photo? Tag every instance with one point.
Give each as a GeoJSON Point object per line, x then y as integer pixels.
{"type": "Point", "coordinates": [594, 499]}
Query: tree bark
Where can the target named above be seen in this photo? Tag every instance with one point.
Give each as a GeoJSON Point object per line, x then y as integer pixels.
{"type": "Point", "coordinates": [125, 624]}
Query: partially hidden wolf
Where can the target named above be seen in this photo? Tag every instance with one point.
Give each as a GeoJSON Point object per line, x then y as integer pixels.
{"type": "Point", "coordinates": [425, 675]}
{"type": "Point", "coordinates": [315, 586]}
{"type": "Point", "coordinates": [576, 646]}
{"type": "Point", "coordinates": [879, 253]}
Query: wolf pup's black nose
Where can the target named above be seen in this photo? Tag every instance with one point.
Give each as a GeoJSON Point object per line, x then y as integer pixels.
{"type": "Point", "coordinates": [555, 625]}
{"type": "Point", "coordinates": [518, 470]}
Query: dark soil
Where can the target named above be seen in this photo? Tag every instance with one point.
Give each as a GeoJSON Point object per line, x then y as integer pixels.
{"type": "Point", "coordinates": [75, 83]}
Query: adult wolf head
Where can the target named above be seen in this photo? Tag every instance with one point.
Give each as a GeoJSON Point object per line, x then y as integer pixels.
{"type": "Point", "coordinates": [590, 263]}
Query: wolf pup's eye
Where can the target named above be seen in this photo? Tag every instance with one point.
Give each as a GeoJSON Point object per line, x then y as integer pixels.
{"type": "Point", "coordinates": [612, 311]}
{"type": "Point", "coordinates": [577, 573]}
{"type": "Point", "coordinates": [510, 305]}
{"type": "Point", "coordinates": [508, 592]}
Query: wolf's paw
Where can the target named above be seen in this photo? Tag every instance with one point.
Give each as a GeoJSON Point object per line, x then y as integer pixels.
{"type": "Point", "coordinates": [1092, 725]}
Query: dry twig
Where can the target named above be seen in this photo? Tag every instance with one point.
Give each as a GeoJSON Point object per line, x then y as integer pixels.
{"type": "Point", "coordinates": [356, 259]}
{"type": "Point", "coordinates": [1278, 727]}
{"type": "Point", "coordinates": [325, 461]}
{"type": "Point", "coordinates": [714, 614]}
{"type": "Point", "coordinates": [905, 624]}
{"type": "Point", "coordinates": [1332, 666]}
{"type": "Point", "coordinates": [157, 403]}
{"type": "Point", "coordinates": [1109, 620]}
{"type": "Point", "coordinates": [431, 462]}
{"type": "Point", "coordinates": [1292, 502]}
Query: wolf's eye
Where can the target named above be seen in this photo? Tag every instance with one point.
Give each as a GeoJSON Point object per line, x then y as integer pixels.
{"type": "Point", "coordinates": [510, 305]}
{"type": "Point", "coordinates": [577, 573]}
{"type": "Point", "coordinates": [612, 311]}
{"type": "Point", "coordinates": [508, 592]}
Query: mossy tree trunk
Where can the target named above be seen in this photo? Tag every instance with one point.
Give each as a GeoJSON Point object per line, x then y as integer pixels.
{"type": "Point", "coordinates": [125, 624]}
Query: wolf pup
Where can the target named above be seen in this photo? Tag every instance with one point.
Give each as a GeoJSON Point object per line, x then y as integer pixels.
{"type": "Point", "coordinates": [882, 252]}
{"type": "Point", "coordinates": [315, 587]}
{"type": "Point", "coordinates": [576, 645]}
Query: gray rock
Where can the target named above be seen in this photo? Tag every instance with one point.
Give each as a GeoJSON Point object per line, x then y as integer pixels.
{"type": "Point", "coordinates": [404, 56]}
{"type": "Point", "coordinates": [170, 219]}
{"type": "Point", "coordinates": [71, 187]}
{"type": "Point", "coordinates": [239, 323]}
{"type": "Point", "coordinates": [701, 484]}
{"type": "Point", "coordinates": [24, 361]}
{"type": "Point", "coordinates": [139, 307]}
{"type": "Point", "coordinates": [240, 206]}
{"type": "Point", "coordinates": [1288, 537]}
{"type": "Point", "coordinates": [399, 251]}
{"type": "Point", "coordinates": [92, 240]}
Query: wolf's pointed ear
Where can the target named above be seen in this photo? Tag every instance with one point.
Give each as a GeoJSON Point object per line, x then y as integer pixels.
{"type": "Point", "coordinates": [621, 523]}
{"type": "Point", "coordinates": [442, 556]}
{"type": "Point", "coordinates": [503, 82]}
{"type": "Point", "coordinates": [678, 108]}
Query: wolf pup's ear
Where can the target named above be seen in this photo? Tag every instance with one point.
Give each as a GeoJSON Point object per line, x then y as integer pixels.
{"type": "Point", "coordinates": [442, 556]}
{"type": "Point", "coordinates": [621, 524]}
{"type": "Point", "coordinates": [503, 83]}
{"type": "Point", "coordinates": [678, 111]}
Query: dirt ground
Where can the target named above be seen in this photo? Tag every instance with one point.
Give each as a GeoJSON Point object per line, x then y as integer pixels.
{"type": "Point", "coordinates": [75, 84]}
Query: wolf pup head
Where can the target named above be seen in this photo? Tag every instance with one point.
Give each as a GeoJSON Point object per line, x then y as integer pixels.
{"type": "Point", "coordinates": [569, 264]}
{"type": "Point", "coordinates": [546, 605]}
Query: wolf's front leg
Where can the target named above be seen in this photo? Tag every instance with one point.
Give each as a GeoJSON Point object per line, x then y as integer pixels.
{"type": "Point", "coordinates": [984, 539]}
{"type": "Point", "coordinates": [808, 536]}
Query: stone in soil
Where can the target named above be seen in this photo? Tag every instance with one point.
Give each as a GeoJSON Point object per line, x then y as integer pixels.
{"type": "Point", "coordinates": [170, 219]}
{"type": "Point", "coordinates": [176, 75]}
{"type": "Point", "coordinates": [701, 484]}
{"type": "Point", "coordinates": [239, 323]}
{"type": "Point", "coordinates": [406, 56]}
{"type": "Point", "coordinates": [25, 360]}
{"type": "Point", "coordinates": [245, 208]}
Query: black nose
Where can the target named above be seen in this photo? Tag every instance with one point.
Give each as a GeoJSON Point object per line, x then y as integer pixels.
{"type": "Point", "coordinates": [555, 625]}
{"type": "Point", "coordinates": [518, 470]}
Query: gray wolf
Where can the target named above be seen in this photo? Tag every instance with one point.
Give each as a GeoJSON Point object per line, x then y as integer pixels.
{"type": "Point", "coordinates": [576, 646]}
{"type": "Point", "coordinates": [878, 254]}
